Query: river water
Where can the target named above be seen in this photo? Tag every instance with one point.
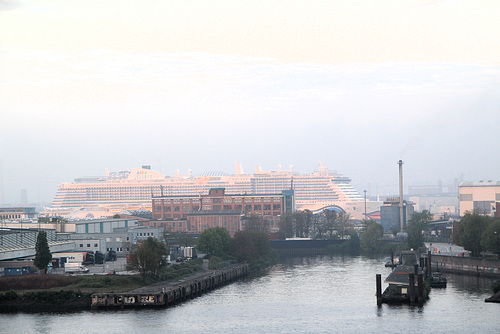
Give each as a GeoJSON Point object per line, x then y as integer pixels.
{"type": "Point", "coordinates": [299, 295]}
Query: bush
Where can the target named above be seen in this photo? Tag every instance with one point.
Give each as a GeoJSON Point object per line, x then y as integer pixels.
{"type": "Point", "coordinates": [51, 297]}
{"type": "Point", "coordinates": [178, 271]}
{"type": "Point", "coordinates": [495, 287]}
{"type": "Point", "coordinates": [9, 295]}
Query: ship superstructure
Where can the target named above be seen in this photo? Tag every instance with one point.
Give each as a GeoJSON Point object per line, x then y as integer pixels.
{"type": "Point", "coordinates": [134, 188]}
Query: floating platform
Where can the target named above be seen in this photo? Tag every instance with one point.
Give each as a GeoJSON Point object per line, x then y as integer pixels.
{"type": "Point", "coordinates": [438, 280]}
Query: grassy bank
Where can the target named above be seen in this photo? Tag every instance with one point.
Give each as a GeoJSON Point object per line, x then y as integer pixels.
{"type": "Point", "coordinates": [87, 283]}
{"type": "Point", "coordinates": [44, 301]}
{"type": "Point", "coordinates": [55, 293]}
{"type": "Point", "coordinates": [63, 293]}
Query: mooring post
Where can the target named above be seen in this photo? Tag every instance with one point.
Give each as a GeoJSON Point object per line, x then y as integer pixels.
{"type": "Point", "coordinates": [379, 289]}
{"type": "Point", "coordinates": [392, 259]}
{"type": "Point", "coordinates": [412, 287]}
{"type": "Point", "coordinates": [420, 290]}
{"type": "Point", "coordinates": [429, 263]}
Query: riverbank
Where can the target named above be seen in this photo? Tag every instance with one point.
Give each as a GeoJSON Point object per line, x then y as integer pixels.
{"type": "Point", "coordinates": [56, 293]}
{"type": "Point", "coordinates": [44, 301]}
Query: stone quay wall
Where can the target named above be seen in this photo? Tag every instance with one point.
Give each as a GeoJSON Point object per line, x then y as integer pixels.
{"type": "Point", "coordinates": [466, 265]}
{"type": "Point", "coordinates": [170, 293]}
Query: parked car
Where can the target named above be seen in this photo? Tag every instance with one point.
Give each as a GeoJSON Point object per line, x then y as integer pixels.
{"type": "Point", "coordinates": [75, 267]}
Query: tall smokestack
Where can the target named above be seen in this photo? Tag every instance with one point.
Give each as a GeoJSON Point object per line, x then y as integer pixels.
{"type": "Point", "coordinates": [401, 222]}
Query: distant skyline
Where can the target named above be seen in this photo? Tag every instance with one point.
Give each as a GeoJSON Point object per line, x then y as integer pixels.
{"type": "Point", "coordinates": [90, 85]}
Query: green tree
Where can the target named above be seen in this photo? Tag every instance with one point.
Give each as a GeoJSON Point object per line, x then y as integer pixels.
{"type": "Point", "coordinates": [255, 222]}
{"type": "Point", "coordinates": [214, 241]}
{"type": "Point", "coordinates": [148, 257]}
{"type": "Point", "coordinates": [302, 221]}
{"type": "Point", "coordinates": [330, 224]}
{"type": "Point", "coordinates": [490, 239]}
{"type": "Point", "coordinates": [344, 225]}
{"type": "Point", "coordinates": [371, 236]}
{"type": "Point", "coordinates": [298, 224]}
{"type": "Point", "coordinates": [457, 232]}
{"type": "Point", "coordinates": [417, 224]}
{"type": "Point", "coordinates": [286, 225]}
{"type": "Point", "coordinates": [469, 231]}
{"type": "Point", "coordinates": [179, 238]}
{"type": "Point", "coordinates": [42, 255]}
{"type": "Point", "coordinates": [351, 245]}
{"type": "Point", "coordinates": [252, 247]}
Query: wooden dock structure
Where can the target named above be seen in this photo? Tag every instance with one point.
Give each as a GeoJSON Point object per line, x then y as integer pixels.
{"type": "Point", "coordinates": [166, 294]}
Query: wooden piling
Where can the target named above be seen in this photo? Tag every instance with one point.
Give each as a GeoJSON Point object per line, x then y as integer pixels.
{"type": "Point", "coordinates": [429, 264]}
{"type": "Point", "coordinates": [412, 288]}
{"type": "Point", "coordinates": [420, 290]}
{"type": "Point", "coordinates": [379, 289]}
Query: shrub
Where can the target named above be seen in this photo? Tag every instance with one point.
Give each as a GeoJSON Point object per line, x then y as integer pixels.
{"type": "Point", "coordinates": [495, 287]}
{"type": "Point", "coordinates": [9, 295]}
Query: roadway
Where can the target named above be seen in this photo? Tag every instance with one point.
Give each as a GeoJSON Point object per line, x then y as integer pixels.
{"type": "Point", "coordinates": [119, 267]}
{"type": "Point", "coordinates": [444, 249]}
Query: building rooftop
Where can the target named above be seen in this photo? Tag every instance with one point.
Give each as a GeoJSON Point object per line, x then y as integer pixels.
{"type": "Point", "coordinates": [480, 183]}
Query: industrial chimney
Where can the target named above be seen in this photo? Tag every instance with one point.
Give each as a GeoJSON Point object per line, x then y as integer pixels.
{"type": "Point", "coordinates": [401, 221]}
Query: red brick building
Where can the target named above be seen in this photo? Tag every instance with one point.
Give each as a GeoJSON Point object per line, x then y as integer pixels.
{"type": "Point", "coordinates": [218, 209]}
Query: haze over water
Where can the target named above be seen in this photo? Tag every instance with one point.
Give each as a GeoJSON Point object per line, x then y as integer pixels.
{"type": "Point", "coordinates": [89, 85]}
{"type": "Point", "coordinates": [299, 295]}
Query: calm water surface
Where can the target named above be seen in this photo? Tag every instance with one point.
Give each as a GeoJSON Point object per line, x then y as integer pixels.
{"type": "Point", "coordinates": [299, 295]}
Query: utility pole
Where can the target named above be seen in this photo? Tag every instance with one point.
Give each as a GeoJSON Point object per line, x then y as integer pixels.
{"type": "Point", "coordinates": [401, 222]}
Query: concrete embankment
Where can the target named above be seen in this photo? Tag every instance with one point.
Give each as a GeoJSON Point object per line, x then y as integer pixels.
{"type": "Point", "coordinates": [170, 293]}
{"type": "Point", "coordinates": [466, 265]}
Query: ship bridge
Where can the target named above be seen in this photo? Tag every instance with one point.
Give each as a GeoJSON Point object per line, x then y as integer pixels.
{"type": "Point", "coordinates": [332, 207]}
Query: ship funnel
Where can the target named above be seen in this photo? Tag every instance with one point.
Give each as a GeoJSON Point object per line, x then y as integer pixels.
{"type": "Point", "coordinates": [239, 169]}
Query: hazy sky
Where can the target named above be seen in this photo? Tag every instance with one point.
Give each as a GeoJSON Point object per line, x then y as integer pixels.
{"type": "Point", "coordinates": [89, 85]}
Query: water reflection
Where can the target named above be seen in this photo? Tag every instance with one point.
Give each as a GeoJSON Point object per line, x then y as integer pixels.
{"type": "Point", "coordinates": [470, 284]}
{"type": "Point", "coordinates": [321, 294]}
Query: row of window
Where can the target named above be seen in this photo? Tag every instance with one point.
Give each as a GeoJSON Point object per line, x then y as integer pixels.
{"type": "Point", "coordinates": [206, 207]}
{"type": "Point", "coordinates": [468, 197]}
{"type": "Point", "coordinates": [218, 200]}
{"type": "Point", "coordinates": [88, 245]}
{"type": "Point", "coordinates": [118, 249]}
{"type": "Point", "coordinates": [169, 215]}
{"type": "Point", "coordinates": [10, 216]}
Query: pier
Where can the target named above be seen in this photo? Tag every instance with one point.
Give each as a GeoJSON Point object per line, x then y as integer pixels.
{"type": "Point", "coordinates": [166, 294]}
{"type": "Point", "coordinates": [407, 282]}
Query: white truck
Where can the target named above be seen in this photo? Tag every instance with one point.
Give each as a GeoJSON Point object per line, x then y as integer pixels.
{"type": "Point", "coordinates": [75, 267]}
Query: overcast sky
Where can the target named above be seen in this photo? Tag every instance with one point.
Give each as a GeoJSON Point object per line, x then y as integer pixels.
{"type": "Point", "coordinates": [89, 85]}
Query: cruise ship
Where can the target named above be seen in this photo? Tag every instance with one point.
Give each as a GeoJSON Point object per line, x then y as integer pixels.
{"type": "Point", "coordinates": [133, 189]}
